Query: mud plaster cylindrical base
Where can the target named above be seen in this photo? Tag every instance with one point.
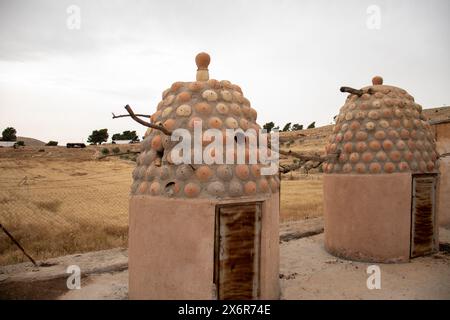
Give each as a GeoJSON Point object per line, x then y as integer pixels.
{"type": "Point", "coordinates": [444, 192]}
{"type": "Point", "coordinates": [171, 248]}
{"type": "Point", "coordinates": [368, 217]}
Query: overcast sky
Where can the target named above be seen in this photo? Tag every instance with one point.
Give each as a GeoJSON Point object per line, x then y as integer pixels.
{"type": "Point", "coordinates": [289, 57]}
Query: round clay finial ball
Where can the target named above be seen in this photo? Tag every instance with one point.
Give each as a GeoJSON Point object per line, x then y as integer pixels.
{"type": "Point", "coordinates": [377, 80]}
{"type": "Point", "coordinates": [202, 60]}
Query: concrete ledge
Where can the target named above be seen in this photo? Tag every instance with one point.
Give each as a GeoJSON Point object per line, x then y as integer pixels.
{"type": "Point", "coordinates": [25, 281]}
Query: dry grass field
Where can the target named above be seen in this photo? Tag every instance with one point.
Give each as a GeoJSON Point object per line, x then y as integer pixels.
{"type": "Point", "coordinates": [63, 201]}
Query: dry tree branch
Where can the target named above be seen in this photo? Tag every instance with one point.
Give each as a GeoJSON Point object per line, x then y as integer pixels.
{"type": "Point", "coordinates": [359, 92]}
{"type": "Point", "coordinates": [140, 121]}
{"type": "Point", "coordinates": [127, 115]}
{"type": "Point", "coordinates": [304, 158]}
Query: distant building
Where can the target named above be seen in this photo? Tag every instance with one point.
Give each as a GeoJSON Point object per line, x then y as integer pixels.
{"type": "Point", "coordinates": [122, 141]}
{"type": "Point", "coordinates": [6, 144]}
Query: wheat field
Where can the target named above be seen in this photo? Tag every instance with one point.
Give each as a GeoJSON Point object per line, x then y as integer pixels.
{"type": "Point", "coordinates": [61, 201]}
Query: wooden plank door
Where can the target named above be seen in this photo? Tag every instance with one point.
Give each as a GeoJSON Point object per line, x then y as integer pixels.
{"type": "Point", "coordinates": [237, 251]}
{"type": "Point", "coordinates": [423, 219]}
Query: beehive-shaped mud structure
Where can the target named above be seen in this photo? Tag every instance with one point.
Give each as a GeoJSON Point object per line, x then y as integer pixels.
{"type": "Point", "coordinates": [202, 230]}
{"type": "Point", "coordinates": [380, 178]}
{"type": "Point", "coordinates": [216, 105]}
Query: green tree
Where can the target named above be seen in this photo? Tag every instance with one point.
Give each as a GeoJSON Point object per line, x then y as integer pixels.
{"type": "Point", "coordinates": [52, 143]}
{"type": "Point", "coordinates": [126, 135]}
{"type": "Point", "coordinates": [312, 125]}
{"type": "Point", "coordinates": [296, 127]}
{"type": "Point", "coordinates": [98, 136]}
{"type": "Point", "coordinates": [287, 127]}
{"type": "Point", "coordinates": [269, 126]}
{"type": "Point", "coordinates": [9, 134]}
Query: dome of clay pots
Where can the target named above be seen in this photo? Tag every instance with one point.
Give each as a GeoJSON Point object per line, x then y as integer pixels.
{"type": "Point", "coordinates": [380, 129]}
{"type": "Point", "coordinates": [218, 105]}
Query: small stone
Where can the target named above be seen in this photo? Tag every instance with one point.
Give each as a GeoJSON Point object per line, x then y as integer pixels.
{"type": "Point", "coordinates": [374, 167]}
{"type": "Point", "coordinates": [348, 135]}
{"type": "Point", "coordinates": [250, 188]}
{"type": "Point", "coordinates": [235, 109]}
{"type": "Point", "coordinates": [191, 190]}
{"type": "Point", "coordinates": [214, 123]}
{"type": "Point", "coordinates": [370, 126]}
{"type": "Point", "coordinates": [209, 95]}
{"type": "Point", "coordinates": [403, 166]}
{"type": "Point", "coordinates": [381, 156]}
{"type": "Point", "coordinates": [166, 112]}
{"type": "Point", "coordinates": [143, 186]}
{"type": "Point", "coordinates": [361, 146]}
{"type": "Point", "coordinates": [168, 100]}
{"type": "Point", "coordinates": [235, 188]}
{"type": "Point", "coordinates": [244, 124]}
{"type": "Point", "coordinates": [263, 185]}
{"type": "Point", "coordinates": [389, 167]}
{"type": "Point", "coordinates": [203, 108]}
{"type": "Point", "coordinates": [183, 97]}
{"type": "Point", "coordinates": [226, 95]}
{"type": "Point", "coordinates": [380, 135]}
{"type": "Point", "coordinates": [355, 125]}
{"type": "Point", "coordinates": [367, 157]}
{"type": "Point", "coordinates": [157, 143]}
{"type": "Point", "coordinates": [360, 168]}
{"type": "Point", "coordinates": [225, 172]}
{"type": "Point", "coordinates": [348, 147]}
{"type": "Point", "coordinates": [196, 86]}
{"type": "Point", "coordinates": [184, 110]}
{"type": "Point", "coordinates": [374, 115]}
{"type": "Point", "coordinates": [242, 171]}
{"type": "Point", "coordinates": [395, 155]}
{"type": "Point", "coordinates": [361, 136]}
{"type": "Point", "coordinates": [216, 188]}
{"type": "Point", "coordinates": [155, 188]}
{"type": "Point", "coordinates": [169, 124]}
{"type": "Point", "coordinates": [184, 172]}
{"type": "Point", "coordinates": [387, 145]}
{"type": "Point", "coordinates": [222, 108]}
{"type": "Point", "coordinates": [347, 168]}
{"type": "Point", "coordinates": [354, 157]}
{"type": "Point", "coordinates": [231, 123]}
{"type": "Point", "coordinates": [203, 173]}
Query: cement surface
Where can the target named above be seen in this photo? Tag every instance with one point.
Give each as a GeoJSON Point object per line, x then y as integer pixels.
{"type": "Point", "coordinates": [307, 271]}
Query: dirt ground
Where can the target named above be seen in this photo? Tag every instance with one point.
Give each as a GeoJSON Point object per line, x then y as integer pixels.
{"type": "Point", "coordinates": [307, 271]}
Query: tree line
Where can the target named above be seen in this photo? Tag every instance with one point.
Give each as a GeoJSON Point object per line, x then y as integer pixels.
{"type": "Point", "coordinates": [102, 135]}
{"type": "Point", "coordinates": [96, 137]}
{"type": "Point", "coordinates": [269, 126]}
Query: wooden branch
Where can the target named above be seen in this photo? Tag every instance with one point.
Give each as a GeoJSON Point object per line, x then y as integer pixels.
{"type": "Point", "coordinates": [352, 91]}
{"type": "Point", "coordinates": [145, 123]}
{"type": "Point", "coordinates": [359, 92]}
{"type": "Point", "coordinates": [127, 115]}
{"type": "Point", "coordinates": [18, 244]}
{"type": "Point", "coordinates": [304, 158]}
